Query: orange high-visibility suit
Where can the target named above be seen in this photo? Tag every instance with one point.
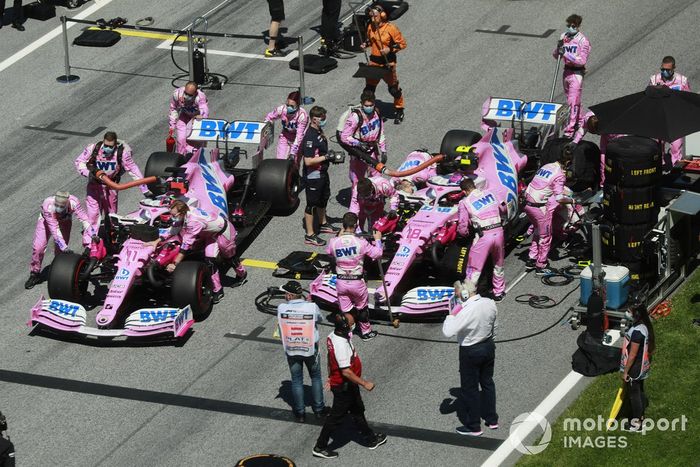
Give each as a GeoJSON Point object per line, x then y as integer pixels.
{"type": "Point", "coordinates": [385, 35]}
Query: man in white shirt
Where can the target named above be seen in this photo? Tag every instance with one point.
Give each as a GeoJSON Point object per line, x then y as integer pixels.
{"type": "Point", "coordinates": [473, 321]}
{"type": "Point", "coordinates": [298, 322]}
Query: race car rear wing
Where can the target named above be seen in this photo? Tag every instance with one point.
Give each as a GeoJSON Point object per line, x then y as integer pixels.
{"type": "Point", "coordinates": [502, 109]}
{"type": "Point", "coordinates": [234, 132]}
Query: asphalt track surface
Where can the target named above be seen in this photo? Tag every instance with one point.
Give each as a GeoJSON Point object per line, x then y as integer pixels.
{"type": "Point", "coordinates": [217, 398]}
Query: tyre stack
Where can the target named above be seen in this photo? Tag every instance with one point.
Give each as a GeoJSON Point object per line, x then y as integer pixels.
{"type": "Point", "coordinates": [630, 204]}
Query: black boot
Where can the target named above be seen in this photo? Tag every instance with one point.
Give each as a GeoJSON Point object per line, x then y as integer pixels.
{"type": "Point", "coordinates": [34, 279]}
{"type": "Point", "coordinates": [398, 116]}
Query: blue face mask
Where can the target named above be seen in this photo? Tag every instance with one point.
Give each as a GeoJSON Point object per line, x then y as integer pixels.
{"type": "Point", "coordinates": [571, 31]}
{"type": "Point", "coordinates": [322, 123]}
{"type": "Point", "coordinates": [368, 109]}
{"type": "Point", "coordinates": [107, 150]}
{"type": "Point", "coordinates": [666, 74]}
{"type": "Point", "coordinates": [291, 109]}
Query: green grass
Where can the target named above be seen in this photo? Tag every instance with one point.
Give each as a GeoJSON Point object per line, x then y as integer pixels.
{"type": "Point", "coordinates": [673, 389]}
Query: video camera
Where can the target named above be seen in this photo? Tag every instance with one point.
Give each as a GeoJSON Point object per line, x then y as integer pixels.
{"type": "Point", "coordinates": [335, 157]}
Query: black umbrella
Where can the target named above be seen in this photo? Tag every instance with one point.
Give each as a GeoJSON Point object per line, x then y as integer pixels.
{"type": "Point", "coordinates": [656, 112]}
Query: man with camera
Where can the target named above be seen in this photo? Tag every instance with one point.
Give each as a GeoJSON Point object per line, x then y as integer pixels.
{"type": "Point", "coordinates": [7, 449]}
{"type": "Point", "coordinates": [317, 184]}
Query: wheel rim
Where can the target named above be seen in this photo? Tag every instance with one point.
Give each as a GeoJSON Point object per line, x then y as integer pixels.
{"type": "Point", "coordinates": [76, 291]}
{"type": "Point", "coordinates": [204, 291]}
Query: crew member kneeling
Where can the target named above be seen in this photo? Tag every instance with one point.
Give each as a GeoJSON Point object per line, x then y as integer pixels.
{"type": "Point", "coordinates": [217, 234]}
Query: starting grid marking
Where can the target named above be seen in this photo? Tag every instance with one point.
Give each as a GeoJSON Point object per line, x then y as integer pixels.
{"type": "Point", "coordinates": [257, 263]}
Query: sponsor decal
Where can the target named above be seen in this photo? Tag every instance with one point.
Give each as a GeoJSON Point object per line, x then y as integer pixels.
{"type": "Point", "coordinates": [540, 112]}
{"type": "Point", "coordinates": [350, 251]}
{"type": "Point", "coordinates": [236, 131]}
{"type": "Point", "coordinates": [403, 252]}
{"type": "Point", "coordinates": [60, 307]}
{"type": "Point", "coordinates": [214, 188]}
{"type": "Point", "coordinates": [157, 315]}
{"type": "Point", "coordinates": [122, 275]}
{"type": "Point", "coordinates": [433, 294]}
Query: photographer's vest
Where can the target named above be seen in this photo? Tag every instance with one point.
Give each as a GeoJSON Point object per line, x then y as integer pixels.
{"type": "Point", "coordinates": [644, 370]}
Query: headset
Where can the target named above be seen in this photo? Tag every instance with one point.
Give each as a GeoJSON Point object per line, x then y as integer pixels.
{"type": "Point", "coordinates": [380, 11]}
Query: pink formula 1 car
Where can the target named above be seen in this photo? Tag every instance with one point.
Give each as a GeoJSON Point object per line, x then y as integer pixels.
{"type": "Point", "coordinates": [431, 229]}
{"type": "Point", "coordinates": [130, 256]}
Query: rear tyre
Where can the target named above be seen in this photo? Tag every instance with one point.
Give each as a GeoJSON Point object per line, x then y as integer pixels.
{"type": "Point", "coordinates": [156, 165]}
{"type": "Point", "coordinates": [456, 138]}
{"type": "Point", "coordinates": [64, 278]}
{"type": "Point", "coordinates": [192, 286]}
{"type": "Point", "coordinates": [277, 181]}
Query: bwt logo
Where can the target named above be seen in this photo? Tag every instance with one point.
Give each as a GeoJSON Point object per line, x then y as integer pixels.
{"type": "Point", "coordinates": [434, 295]}
{"type": "Point", "coordinates": [369, 127]}
{"type": "Point", "coordinates": [157, 316]}
{"type": "Point", "coordinates": [214, 189]}
{"type": "Point", "coordinates": [510, 107]}
{"type": "Point", "coordinates": [409, 164]}
{"type": "Point", "coordinates": [484, 201]}
{"type": "Point", "coordinates": [340, 252]}
{"type": "Point", "coordinates": [289, 126]}
{"type": "Point", "coordinates": [63, 308]}
{"type": "Point", "coordinates": [504, 169]}
{"type": "Point", "coordinates": [212, 128]}
{"type": "Point", "coordinates": [544, 173]}
{"type": "Point", "coordinates": [106, 165]}
{"type": "Point", "coordinates": [570, 49]}
{"type": "Point", "coordinates": [123, 275]}
{"type": "Point", "coordinates": [403, 252]}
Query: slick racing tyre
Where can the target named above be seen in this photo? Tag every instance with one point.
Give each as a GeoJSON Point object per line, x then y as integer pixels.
{"type": "Point", "coordinates": [632, 161]}
{"type": "Point", "coordinates": [156, 165]}
{"type": "Point", "coordinates": [455, 138]}
{"type": "Point", "coordinates": [277, 181]}
{"type": "Point", "coordinates": [624, 242]}
{"type": "Point", "coordinates": [584, 171]}
{"type": "Point", "coordinates": [192, 286]}
{"type": "Point", "coordinates": [64, 278]}
{"type": "Point", "coordinates": [629, 205]}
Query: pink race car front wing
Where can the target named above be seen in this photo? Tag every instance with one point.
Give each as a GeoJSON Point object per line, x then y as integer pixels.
{"type": "Point", "coordinates": [67, 316]}
{"type": "Point", "coordinates": [427, 300]}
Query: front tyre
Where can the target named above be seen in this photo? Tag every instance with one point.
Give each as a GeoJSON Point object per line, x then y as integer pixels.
{"type": "Point", "coordinates": [192, 286]}
{"type": "Point", "coordinates": [64, 278]}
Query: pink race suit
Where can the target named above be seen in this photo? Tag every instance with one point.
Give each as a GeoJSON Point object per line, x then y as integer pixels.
{"type": "Point", "coordinates": [182, 113]}
{"type": "Point", "coordinates": [542, 199]}
{"type": "Point", "coordinates": [372, 208]}
{"type": "Point", "coordinates": [576, 51]}
{"type": "Point", "coordinates": [217, 236]}
{"type": "Point", "coordinates": [349, 252]}
{"type": "Point", "coordinates": [370, 130]}
{"type": "Point", "coordinates": [58, 225]}
{"type": "Point", "coordinates": [293, 129]}
{"type": "Point", "coordinates": [679, 83]}
{"type": "Point", "coordinates": [101, 199]}
{"type": "Point", "coordinates": [415, 159]}
{"type": "Point", "coordinates": [482, 210]}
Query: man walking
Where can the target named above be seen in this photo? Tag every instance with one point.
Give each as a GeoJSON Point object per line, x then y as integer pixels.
{"type": "Point", "coordinates": [474, 320]}
{"type": "Point", "coordinates": [345, 378]}
{"type": "Point", "coordinates": [298, 322]}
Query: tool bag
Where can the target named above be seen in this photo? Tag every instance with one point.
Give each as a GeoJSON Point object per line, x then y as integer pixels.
{"type": "Point", "coordinates": [97, 38]}
{"type": "Point", "coordinates": [315, 64]}
{"type": "Point", "coordinates": [302, 265]}
{"type": "Point", "coordinates": [41, 10]}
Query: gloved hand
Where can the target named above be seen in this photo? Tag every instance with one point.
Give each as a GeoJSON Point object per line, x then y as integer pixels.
{"type": "Point", "coordinates": [149, 194]}
{"type": "Point", "coordinates": [95, 239]}
{"type": "Point", "coordinates": [67, 251]}
{"type": "Point", "coordinates": [365, 147]}
{"type": "Point", "coordinates": [92, 176]}
{"type": "Point", "coordinates": [392, 215]}
{"type": "Point", "coordinates": [383, 157]}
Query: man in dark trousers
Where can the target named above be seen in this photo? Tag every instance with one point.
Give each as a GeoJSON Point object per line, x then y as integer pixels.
{"type": "Point", "coordinates": [473, 320]}
{"type": "Point", "coordinates": [17, 14]}
{"type": "Point", "coordinates": [345, 378]}
{"type": "Point", "coordinates": [7, 449]}
{"type": "Point", "coordinates": [330, 34]}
